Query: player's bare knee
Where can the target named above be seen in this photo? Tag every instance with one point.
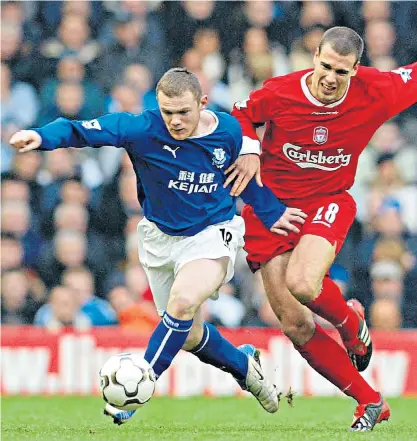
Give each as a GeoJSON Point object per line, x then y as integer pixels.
{"type": "Point", "coordinates": [298, 328]}
{"type": "Point", "coordinates": [303, 289]}
{"type": "Point", "coordinates": [181, 307]}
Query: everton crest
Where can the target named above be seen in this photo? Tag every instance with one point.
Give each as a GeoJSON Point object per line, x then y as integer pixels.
{"type": "Point", "coordinates": [219, 157]}
{"type": "Point", "coordinates": [320, 135]}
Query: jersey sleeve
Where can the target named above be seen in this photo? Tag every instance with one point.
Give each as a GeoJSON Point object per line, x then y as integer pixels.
{"type": "Point", "coordinates": [112, 130]}
{"type": "Point", "coordinates": [254, 112]}
{"type": "Point", "coordinates": [235, 131]}
{"type": "Point", "coordinates": [252, 146]}
{"type": "Point", "coordinates": [264, 203]}
{"type": "Point", "coordinates": [399, 88]}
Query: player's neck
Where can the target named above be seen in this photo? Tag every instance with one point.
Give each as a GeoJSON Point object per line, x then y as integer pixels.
{"type": "Point", "coordinates": [206, 123]}
{"type": "Point", "coordinates": [309, 83]}
{"type": "Point", "coordinates": [312, 88]}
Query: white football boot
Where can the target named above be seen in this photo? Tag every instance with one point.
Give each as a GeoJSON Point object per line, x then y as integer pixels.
{"type": "Point", "coordinates": [119, 416]}
{"type": "Point", "coordinates": [256, 382]}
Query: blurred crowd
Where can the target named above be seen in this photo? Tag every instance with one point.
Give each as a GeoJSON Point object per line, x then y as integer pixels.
{"type": "Point", "coordinates": [68, 239]}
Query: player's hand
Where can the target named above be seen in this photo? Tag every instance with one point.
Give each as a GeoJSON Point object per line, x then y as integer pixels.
{"type": "Point", "coordinates": [243, 170]}
{"type": "Point", "coordinates": [25, 140]}
{"type": "Point", "coordinates": [285, 222]}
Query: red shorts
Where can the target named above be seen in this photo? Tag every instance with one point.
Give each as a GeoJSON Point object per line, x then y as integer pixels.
{"type": "Point", "coordinates": [329, 217]}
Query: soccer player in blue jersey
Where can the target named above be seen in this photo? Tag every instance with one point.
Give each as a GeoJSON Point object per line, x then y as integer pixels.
{"type": "Point", "coordinates": [190, 234]}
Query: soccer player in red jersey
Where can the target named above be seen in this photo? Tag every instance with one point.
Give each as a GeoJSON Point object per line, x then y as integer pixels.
{"type": "Point", "coordinates": [317, 124]}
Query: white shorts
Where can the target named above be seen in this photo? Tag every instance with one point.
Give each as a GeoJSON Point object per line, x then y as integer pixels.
{"type": "Point", "coordinates": [162, 256]}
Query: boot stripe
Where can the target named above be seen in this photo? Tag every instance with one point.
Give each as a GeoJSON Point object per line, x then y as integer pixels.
{"type": "Point", "coordinates": [364, 332]}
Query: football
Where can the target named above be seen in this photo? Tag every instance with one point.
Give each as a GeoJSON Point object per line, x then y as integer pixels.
{"type": "Point", "coordinates": [127, 381]}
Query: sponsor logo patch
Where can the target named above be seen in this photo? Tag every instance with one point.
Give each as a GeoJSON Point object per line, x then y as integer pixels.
{"type": "Point", "coordinates": [319, 160]}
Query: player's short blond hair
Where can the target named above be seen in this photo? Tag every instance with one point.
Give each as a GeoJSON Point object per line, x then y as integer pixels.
{"type": "Point", "coordinates": [344, 41]}
{"type": "Point", "coordinates": [177, 81]}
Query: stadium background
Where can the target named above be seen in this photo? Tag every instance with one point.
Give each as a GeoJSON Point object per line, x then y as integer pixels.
{"type": "Point", "coordinates": [68, 241]}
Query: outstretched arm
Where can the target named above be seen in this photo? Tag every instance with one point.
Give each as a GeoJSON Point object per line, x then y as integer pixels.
{"type": "Point", "coordinates": [106, 130]}
{"type": "Point", "coordinates": [399, 88]}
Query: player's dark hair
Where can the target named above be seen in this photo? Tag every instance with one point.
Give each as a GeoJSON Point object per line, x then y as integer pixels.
{"type": "Point", "coordinates": [344, 41]}
{"type": "Point", "coordinates": [177, 81]}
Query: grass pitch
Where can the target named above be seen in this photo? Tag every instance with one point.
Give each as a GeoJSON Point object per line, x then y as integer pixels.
{"type": "Point", "coordinates": [205, 419]}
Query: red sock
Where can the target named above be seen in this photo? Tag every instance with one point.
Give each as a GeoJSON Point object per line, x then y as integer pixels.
{"type": "Point", "coordinates": [331, 305]}
{"type": "Point", "coordinates": [329, 359]}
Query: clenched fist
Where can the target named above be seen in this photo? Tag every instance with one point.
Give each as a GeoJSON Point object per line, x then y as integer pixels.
{"type": "Point", "coordinates": [25, 140]}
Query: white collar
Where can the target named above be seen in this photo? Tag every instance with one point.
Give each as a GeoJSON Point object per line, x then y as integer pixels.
{"type": "Point", "coordinates": [314, 100]}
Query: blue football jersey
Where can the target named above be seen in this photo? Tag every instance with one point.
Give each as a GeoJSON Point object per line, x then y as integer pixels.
{"type": "Point", "coordinates": [180, 183]}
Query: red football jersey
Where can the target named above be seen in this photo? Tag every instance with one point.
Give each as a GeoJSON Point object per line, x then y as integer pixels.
{"type": "Point", "coordinates": [313, 149]}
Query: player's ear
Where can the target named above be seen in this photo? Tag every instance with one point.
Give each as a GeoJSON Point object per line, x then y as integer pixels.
{"type": "Point", "coordinates": [203, 101]}
{"type": "Point", "coordinates": [355, 69]}
{"type": "Point", "coordinates": [316, 55]}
